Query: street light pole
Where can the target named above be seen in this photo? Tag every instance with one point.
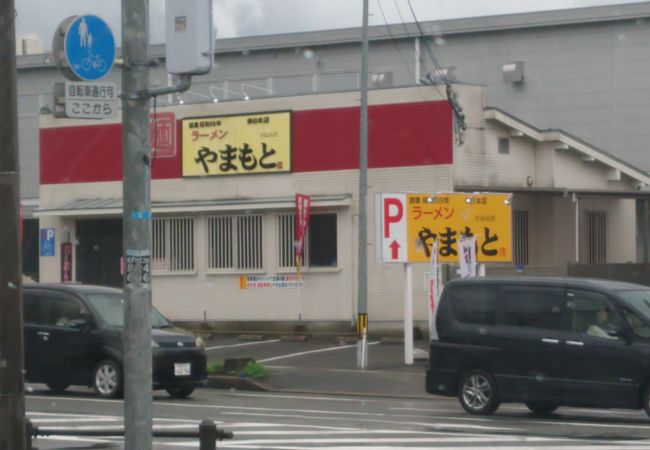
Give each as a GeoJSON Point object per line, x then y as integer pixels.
{"type": "Point", "coordinates": [136, 226]}
{"type": "Point", "coordinates": [362, 316]}
{"type": "Point", "coordinates": [12, 400]}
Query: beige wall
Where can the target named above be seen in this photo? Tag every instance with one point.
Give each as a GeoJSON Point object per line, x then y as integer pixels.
{"type": "Point", "coordinates": [328, 294]}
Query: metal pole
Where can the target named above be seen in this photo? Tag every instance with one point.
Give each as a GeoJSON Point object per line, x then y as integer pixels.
{"type": "Point", "coordinates": [408, 314]}
{"type": "Point", "coordinates": [136, 226]}
{"type": "Point", "coordinates": [12, 400]}
{"type": "Point", "coordinates": [363, 188]}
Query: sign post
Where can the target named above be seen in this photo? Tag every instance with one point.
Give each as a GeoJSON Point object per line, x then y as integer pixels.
{"type": "Point", "coordinates": [472, 228]}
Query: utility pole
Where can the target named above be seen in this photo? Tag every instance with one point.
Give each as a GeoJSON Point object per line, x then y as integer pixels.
{"type": "Point", "coordinates": [136, 225]}
{"type": "Point", "coordinates": [12, 392]}
{"type": "Point", "coordinates": [362, 308]}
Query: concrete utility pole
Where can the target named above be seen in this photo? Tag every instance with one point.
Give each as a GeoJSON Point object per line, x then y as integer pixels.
{"type": "Point", "coordinates": [362, 343]}
{"type": "Point", "coordinates": [136, 224]}
{"type": "Point", "coordinates": [12, 400]}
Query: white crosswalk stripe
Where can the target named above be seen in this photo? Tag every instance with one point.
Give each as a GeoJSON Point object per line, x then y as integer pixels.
{"type": "Point", "coordinates": [288, 436]}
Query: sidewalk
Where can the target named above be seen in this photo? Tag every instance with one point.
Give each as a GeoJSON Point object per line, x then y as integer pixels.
{"type": "Point", "coordinates": [336, 374]}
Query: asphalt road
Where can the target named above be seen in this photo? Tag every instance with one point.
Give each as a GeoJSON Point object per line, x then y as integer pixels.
{"type": "Point", "coordinates": [293, 421]}
{"type": "Point", "coordinates": [322, 401]}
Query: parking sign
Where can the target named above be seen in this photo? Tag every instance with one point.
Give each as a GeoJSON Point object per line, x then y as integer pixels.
{"type": "Point", "coordinates": [47, 236]}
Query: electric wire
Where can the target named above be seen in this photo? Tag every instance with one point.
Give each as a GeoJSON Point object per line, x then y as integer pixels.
{"type": "Point", "coordinates": [439, 69]}
{"type": "Point", "coordinates": [457, 110]}
{"type": "Point", "coordinates": [392, 37]}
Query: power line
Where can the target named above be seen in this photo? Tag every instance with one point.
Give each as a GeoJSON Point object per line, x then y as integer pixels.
{"type": "Point", "coordinates": [439, 69]}
{"type": "Point", "coordinates": [458, 111]}
{"type": "Point", "coordinates": [406, 65]}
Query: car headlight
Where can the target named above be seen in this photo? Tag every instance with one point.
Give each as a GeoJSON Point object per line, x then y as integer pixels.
{"type": "Point", "coordinates": [200, 343]}
{"type": "Point", "coordinates": [154, 344]}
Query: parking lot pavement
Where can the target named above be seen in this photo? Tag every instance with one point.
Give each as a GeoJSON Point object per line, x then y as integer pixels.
{"type": "Point", "coordinates": [326, 367]}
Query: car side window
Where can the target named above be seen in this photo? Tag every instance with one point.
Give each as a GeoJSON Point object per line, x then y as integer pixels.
{"type": "Point", "coordinates": [640, 328]}
{"type": "Point", "coordinates": [63, 311]}
{"type": "Point", "coordinates": [33, 310]}
{"type": "Point", "coordinates": [474, 304]}
{"type": "Point", "coordinates": [592, 314]}
{"type": "Point", "coordinates": [532, 307]}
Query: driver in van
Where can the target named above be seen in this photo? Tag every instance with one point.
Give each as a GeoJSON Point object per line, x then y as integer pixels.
{"type": "Point", "coordinates": [598, 329]}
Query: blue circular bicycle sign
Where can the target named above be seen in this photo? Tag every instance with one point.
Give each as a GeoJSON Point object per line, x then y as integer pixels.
{"type": "Point", "coordinates": [89, 47]}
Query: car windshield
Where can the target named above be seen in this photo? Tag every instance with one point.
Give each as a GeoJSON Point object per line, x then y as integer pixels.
{"type": "Point", "coordinates": [111, 309]}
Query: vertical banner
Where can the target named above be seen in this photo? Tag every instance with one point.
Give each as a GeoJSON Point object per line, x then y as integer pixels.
{"type": "Point", "coordinates": [434, 290]}
{"type": "Point", "coordinates": [66, 262]}
{"type": "Point", "coordinates": [467, 257]}
{"type": "Point", "coordinates": [303, 208]}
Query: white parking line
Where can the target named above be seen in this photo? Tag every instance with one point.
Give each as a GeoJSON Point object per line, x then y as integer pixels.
{"type": "Point", "coordinates": [292, 355]}
{"type": "Point", "coordinates": [242, 344]}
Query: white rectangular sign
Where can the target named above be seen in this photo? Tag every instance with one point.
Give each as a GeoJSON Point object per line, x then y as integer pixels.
{"type": "Point", "coordinates": [90, 100]}
{"type": "Point", "coordinates": [467, 258]}
{"type": "Point", "coordinates": [391, 225]}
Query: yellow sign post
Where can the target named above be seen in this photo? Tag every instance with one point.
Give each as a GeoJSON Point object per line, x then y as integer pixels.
{"type": "Point", "coordinates": [235, 145]}
{"type": "Point", "coordinates": [450, 216]}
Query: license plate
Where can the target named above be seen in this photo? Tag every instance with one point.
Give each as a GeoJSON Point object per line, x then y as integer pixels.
{"type": "Point", "coordinates": [182, 369]}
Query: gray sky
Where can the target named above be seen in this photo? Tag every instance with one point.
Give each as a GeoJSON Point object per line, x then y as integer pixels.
{"type": "Point", "coordinates": [255, 17]}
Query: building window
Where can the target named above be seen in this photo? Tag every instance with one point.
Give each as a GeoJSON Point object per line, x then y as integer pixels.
{"type": "Point", "coordinates": [173, 244]}
{"type": "Point", "coordinates": [286, 240]}
{"type": "Point", "coordinates": [320, 247]}
{"type": "Point", "coordinates": [520, 238]}
{"type": "Point", "coordinates": [504, 146]}
{"type": "Point", "coordinates": [596, 237]}
{"type": "Point", "coordinates": [235, 242]}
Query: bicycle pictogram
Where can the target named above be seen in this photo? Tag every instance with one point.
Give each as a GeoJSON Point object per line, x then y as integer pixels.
{"type": "Point", "coordinates": [93, 61]}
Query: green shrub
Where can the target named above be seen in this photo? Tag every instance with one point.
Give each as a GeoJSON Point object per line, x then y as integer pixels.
{"type": "Point", "coordinates": [254, 370]}
{"type": "Point", "coordinates": [215, 367]}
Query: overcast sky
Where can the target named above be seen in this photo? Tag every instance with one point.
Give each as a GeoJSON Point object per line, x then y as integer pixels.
{"type": "Point", "coordinates": [255, 17]}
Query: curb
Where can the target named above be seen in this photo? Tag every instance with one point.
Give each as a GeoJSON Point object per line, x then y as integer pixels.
{"type": "Point", "coordinates": [245, 384]}
{"type": "Point", "coordinates": [230, 382]}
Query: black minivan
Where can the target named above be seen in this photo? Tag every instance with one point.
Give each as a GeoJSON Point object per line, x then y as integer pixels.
{"type": "Point", "coordinates": [73, 336]}
{"type": "Point", "coordinates": [546, 342]}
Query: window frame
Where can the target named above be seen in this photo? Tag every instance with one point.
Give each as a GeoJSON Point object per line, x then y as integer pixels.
{"type": "Point", "coordinates": [234, 248]}
{"type": "Point", "coordinates": [166, 220]}
{"type": "Point", "coordinates": [306, 250]}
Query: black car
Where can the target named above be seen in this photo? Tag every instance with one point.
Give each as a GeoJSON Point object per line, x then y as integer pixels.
{"type": "Point", "coordinates": [73, 336]}
{"type": "Point", "coordinates": [546, 342]}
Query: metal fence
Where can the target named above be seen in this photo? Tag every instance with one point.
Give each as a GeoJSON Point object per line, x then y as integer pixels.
{"type": "Point", "coordinates": [629, 272]}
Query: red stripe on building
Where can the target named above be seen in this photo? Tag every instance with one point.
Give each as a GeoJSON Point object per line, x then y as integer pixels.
{"type": "Point", "coordinates": [399, 135]}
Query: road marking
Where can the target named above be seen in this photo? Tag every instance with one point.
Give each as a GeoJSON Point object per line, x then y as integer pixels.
{"type": "Point", "coordinates": [299, 397]}
{"type": "Point", "coordinates": [388, 371]}
{"type": "Point", "coordinates": [292, 355]}
{"type": "Point", "coordinates": [242, 344]}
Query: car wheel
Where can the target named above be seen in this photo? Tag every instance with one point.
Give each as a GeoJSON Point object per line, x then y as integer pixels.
{"type": "Point", "coordinates": [107, 379]}
{"type": "Point", "coordinates": [57, 386]}
{"type": "Point", "coordinates": [477, 393]}
{"type": "Point", "coordinates": [542, 407]}
{"type": "Point", "coordinates": [180, 392]}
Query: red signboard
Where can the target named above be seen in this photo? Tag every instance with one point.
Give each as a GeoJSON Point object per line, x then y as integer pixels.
{"type": "Point", "coordinates": [303, 207]}
{"type": "Point", "coordinates": [66, 262]}
{"type": "Point", "coordinates": [399, 135]}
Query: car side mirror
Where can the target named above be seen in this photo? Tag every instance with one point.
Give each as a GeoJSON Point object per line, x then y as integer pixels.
{"type": "Point", "coordinates": [624, 333]}
{"type": "Point", "coordinates": [81, 324]}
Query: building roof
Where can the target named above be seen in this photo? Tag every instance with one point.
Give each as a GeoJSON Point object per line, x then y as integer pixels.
{"type": "Point", "coordinates": [450, 27]}
{"type": "Point", "coordinates": [113, 206]}
{"type": "Point", "coordinates": [568, 142]}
